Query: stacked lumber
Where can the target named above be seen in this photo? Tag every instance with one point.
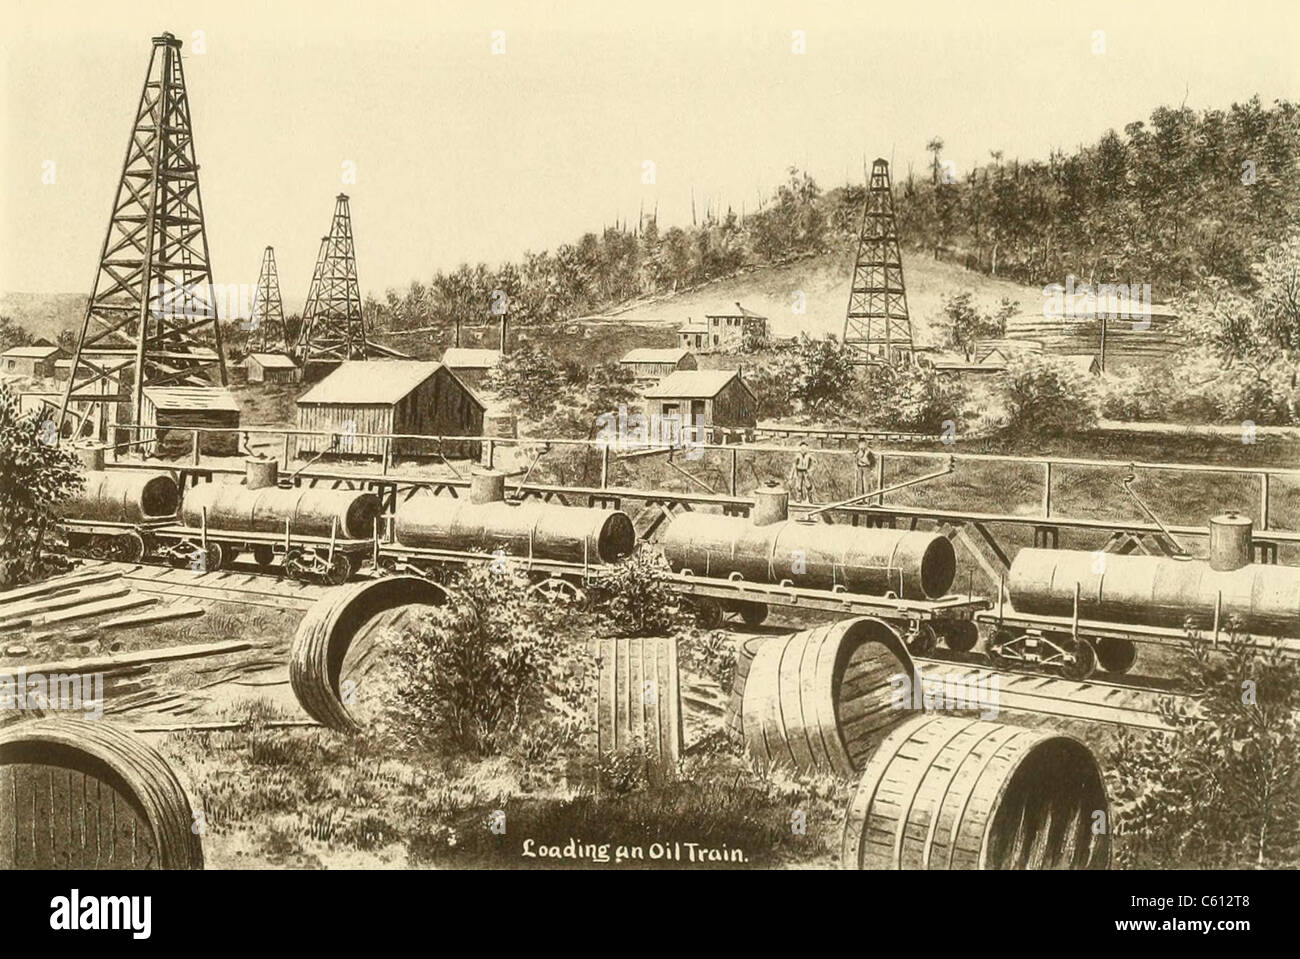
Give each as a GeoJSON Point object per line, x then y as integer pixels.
{"type": "Point", "coordinates": [91, 594]}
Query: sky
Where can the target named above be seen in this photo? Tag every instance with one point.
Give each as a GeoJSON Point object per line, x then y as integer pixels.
{"type": "Point", "coordinates": [465, 154]}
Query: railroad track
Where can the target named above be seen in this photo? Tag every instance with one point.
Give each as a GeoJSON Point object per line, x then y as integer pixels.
{"type": "Point", "coordinates": [231, 586]}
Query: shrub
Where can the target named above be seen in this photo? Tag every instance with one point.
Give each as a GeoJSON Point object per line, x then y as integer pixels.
{"type": "Point", "coordinates": [1221, 789]}
{"type": "Point", "coordinates": [484, 670]}
{"type": "Point", "coordinates": [905, 398]}
{"type": "Point", "coordinates": [815, 373]}
{"type": "Point", "coordinates": [1045, 397]}
{"type": "Point", "coordinates": [636, 597]}
{"type": "Point", "coordinates": [35, 476]}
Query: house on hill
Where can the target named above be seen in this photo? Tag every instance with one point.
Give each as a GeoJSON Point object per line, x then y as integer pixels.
{"type": "Point", "coordinates": [727, 331]}
{"type": "Point", "coordinates": [650, 365]}
{"type": "Point", "coordinates": [693, 336]}
{"type": "Point", "coordinates": [35, 360]}
{"type": "Point", "coordinates": [272, 368]}
{"type": "Point", "coordinates": [471, 365]}
{"type": "Point", "coordinates": [704, 399]}
{"type": "Point", "coordinates": [390, 397]}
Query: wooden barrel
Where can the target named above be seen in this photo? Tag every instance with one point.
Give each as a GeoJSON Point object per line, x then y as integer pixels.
{"type": "Point", "coordinates": [76, 794]}
{"type": "Point", "coordinates": [124, 496]}
{"type": "Point", "coordinates": [639, 699]}
{"type": "Point", "coordinates": [733, 715]}
{"type": "Point", "coordinates": [341, 617]}
{"type": "Point", "coordinates": [821, 700]}
{"type": "Point", "coordinates": [949, 793]}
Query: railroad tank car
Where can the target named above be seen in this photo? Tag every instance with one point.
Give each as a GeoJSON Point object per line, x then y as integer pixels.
{"type": "Point", "coordinates": [768, 548]}
{"type": "Point", "coordinates": [1162, 591]}
{"type": "Point", "coordinates": [124, 496]}
{"type": "Point", "coordinates": [311, 512]}
{"type": "Point", "coordinates": [571, 534]}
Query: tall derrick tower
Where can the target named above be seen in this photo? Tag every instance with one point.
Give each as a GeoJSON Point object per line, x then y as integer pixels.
{"type": "Point", "coordinates": [152, 317]}
{"type": "Point", "coordinates": [333, 328]}
{"type": "Point", "coordinates": [267, 314]}
{"type": "Point", "coordinates": [877, 326]}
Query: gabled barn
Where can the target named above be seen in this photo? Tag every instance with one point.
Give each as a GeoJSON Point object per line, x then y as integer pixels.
{"type": "Point", "coordinates": [165, 409]}
{"type": "Point", "coordinates": [704, 398]}
{"type": "Point", "coordinates": [471, 365]}
{"type": "Point", "coordinates": [272, 368]}
{"type": "Point", "coordinates": [389, 397]}
{"type": "Point", "coordinates": [650, 365]}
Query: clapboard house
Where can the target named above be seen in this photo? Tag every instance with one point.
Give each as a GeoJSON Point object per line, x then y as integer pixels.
{"type": "Point", "coordinates": [271, 368]}
{"type": "Point", "coordinates": [36, 361]}
{"type": "Point", "coordinates": [704, 399]}
{"type": "Point", "coordinates": [170, 414]}
{"type": "Point", "coordinates": [410, 397]}
{"type": "Point", "coordinates": [470, 364]}
{"type": "Point", "coordinates": [650, 365]}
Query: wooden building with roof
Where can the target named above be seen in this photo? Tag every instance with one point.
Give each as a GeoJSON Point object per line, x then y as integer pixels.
{"type": "Point", "coordinates": [650, 365]}
{"type": "Point", "coordinates": [272, 368]}
{"type": "Point", "coordinates": [389, 397]}
{"type": "Point", "coordinates": [167, 409]}
{"type": "Point", "coordinates": [36, 360]}
{"type": "Point", "coordinates": [704, 399]}
{"type": "Point", "coordinates": [472, 365]}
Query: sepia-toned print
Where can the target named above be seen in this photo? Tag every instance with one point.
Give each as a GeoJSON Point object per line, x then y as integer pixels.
{"type": "Point", "coordinates": [575, 437]}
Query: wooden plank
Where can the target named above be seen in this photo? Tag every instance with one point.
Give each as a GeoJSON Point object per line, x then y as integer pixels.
{"type": "Point", "coordinates": [58, 584]}
{"type": "Point", "coordinates": [95, 664]}
{"type": "Point", "coordinates": [51, 603]}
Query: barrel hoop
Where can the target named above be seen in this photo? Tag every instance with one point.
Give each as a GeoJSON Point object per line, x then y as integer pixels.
{"type": "Point", "coordinates": [937, 814]}
{"type": "Point", "coordinates": [925, 763]}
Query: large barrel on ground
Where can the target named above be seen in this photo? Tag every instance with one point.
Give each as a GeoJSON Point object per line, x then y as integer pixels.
{"type": "Point", "coordinates": [639, 699]}
{"type": "Point", "coordinates": [340, 620]}
{"type": "Point", "coordinates": [1155, 590]}
{"type": "Point", "coordinates": [310, 512]}
{"type": "Point", "coordinates": [821, 700]}
{"type": "Point", "coordinates": [124, 496]}
{"type": "Point", "coordinates": [906, 563]}
{"type": "Point", "coordinates": [571, 534]}
{"type": "Point", "coordinates": [733, 714]}
{"type": "Point", "coordinates": [948, 793]}
{"type": "Point", "coordinates": [76, 794]}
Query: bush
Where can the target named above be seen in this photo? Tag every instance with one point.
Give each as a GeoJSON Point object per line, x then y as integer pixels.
{"type": "Point", "coordinates": [905, 398]}
{"type": "Point", "coordinates": [815, 373]}
{"type": "Point", "coordinates": [636, 597]}
{"type": "Point", "coordinates": [487, 669]}
{"type": "Point", "coordinates": [35, 476]}
{"type": "Point", "coordinates": [1221, 790]}
{"type": "Point", "coordinates": [1045, 397]}
{"type": "Point", "coordinates": [530, 379]}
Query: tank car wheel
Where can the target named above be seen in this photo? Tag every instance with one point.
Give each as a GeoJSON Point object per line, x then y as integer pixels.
{"type": "Point", "coordinates": [130, 547]}
{"type": "Point", "coordinates": [961, 636]}
{"type": "Point", "coordinates": [708, 613]}
{"type": "Point", "coordinates": [561, 592]}
{"type": "Point", "coordinates": [212, 558]}
{"type": "Point", "coordinates": [753, 614]}
{"type": "Point", "coordinates": [1116, 655]}
{"type": "Point", "coordinates": [293, 565]}
{"type": "Point", "coordinates": [921, 640]}
{"type": "Point", "coordinates": [78, 544]}
{"type": "Point", "coordinates": [232, 554]}
{"type": "Point", "coordinates": [1082, 662]}
{"type": "Point", "coordinates": [340, 570]}
{"type": "Point", "coordinates": [263, 554]}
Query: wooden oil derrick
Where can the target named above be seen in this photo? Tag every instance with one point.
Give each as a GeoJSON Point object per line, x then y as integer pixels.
{"type": "Point", "coordinates": [152, 316]}
{"type": "Point", "coordinates": [333, 327]}
{"type": "Point", "coordinates": [267, 315]}
{"type": "Point", "coordinates": [877, 325]}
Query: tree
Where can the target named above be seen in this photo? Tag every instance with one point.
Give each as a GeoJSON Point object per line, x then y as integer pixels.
{"type": "Point", "coordinates": [12, 334]}
{"type": "Point", "coordinates": [530, 379]}
{"type": "Point", "coordinates": [816, 373]}
{"type": "Point", "coordinates": [1044, 397]}
{"type": "Point", "coordinates": [36, 476]}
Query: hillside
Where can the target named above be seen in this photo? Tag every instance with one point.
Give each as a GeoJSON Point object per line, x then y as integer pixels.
{"type": "Point", "coordinates": [44, 314]}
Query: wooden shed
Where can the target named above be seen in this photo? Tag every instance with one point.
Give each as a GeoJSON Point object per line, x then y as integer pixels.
{"type": "Point", "coordinates": [166, 409]}
{"type": "Point", "coordinates": [385, 397]}
{"type": "Point", "coordinates": [36, 360]}
{"type": "Point", "coordinates": [704, 398]}
{"type": "Point", "coordinates": [650, 365]}
{"type": "Point", "coordinates": [471, 365]}
{"type": "Point", "coordinates": [272, 368]}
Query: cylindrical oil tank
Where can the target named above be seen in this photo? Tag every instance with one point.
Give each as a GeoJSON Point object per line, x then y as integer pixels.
{"type": "Point", "coordinates": [1230, 541]}
{"type": "Point", "coordinates": [1155, 590]}
{"type": "Point", "coordinates": [907, 563]}
{"type": "Point", "coordinates": [487, 486]}
{"type": "Point", "coordinates": [310, 512]}
{"type": "Point", "coordinates": [570, 534]}
{"type": "Point", "coordinates": [771, 505]}
{"type": "Point", "coordinates": [943, 792]}
{"type": "Point", "coordinates": [124, 496]}
{"type": "Point", "coordinates": [822, 700]}
{"type": "Point", "coordinates": [91, 455]}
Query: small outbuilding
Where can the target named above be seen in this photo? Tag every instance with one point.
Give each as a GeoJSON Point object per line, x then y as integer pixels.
{"type": "Point", "coordinates": [272, 368]}
{"type": "Point", "coordinates": [704, 399]}
{"type": "Point", "coordinates": [35, 360]}
{"type": "Point", "coordinates": [165, 409]}
{"type": "Point", "coordinates": [471, 365]}
{"type": "Point", "coordinates": [650, 365]}
{"type": "Point", "coordinates": [386, 397]}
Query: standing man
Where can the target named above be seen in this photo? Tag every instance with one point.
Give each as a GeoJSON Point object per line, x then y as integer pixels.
{"type": "Point", "coordinates": [864, 460]}
{"type": "Point", "coordinates": [802, 474]}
